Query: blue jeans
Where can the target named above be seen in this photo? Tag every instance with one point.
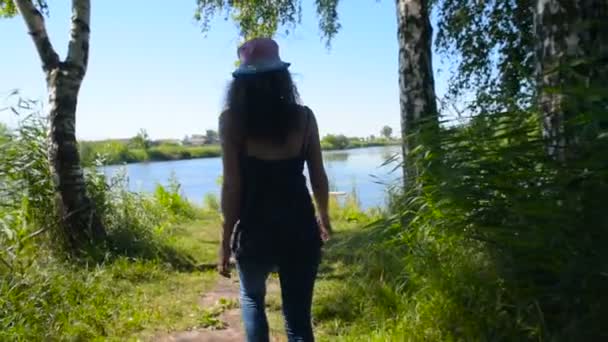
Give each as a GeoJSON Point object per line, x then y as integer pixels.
{"type": "Point", "coordinates": [297, 283]}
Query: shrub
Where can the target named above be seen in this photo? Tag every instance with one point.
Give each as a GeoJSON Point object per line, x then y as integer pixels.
{"type": "Point", "coordinates": [171, 199]}
{"type": "Point", "coordinates": [506, 243]}
{"type": "Point", "coordinates": [43, 294]}
{"type": "Point", "coordinates": [205, 151]}
{"type": "Point", "coordinates": [211, 204]}
{"type": "Point", "coordinates": [493, 241]}
{"type": "Point", "coordinates": [338, 142]}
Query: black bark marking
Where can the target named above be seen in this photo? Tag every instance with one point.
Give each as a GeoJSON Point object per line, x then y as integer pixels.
{"type": "Point", "coordinates": [83, 226]}
{"type": "Point", "coordinates": [416, 83]}
{"type": "Point", "coordinates": [82, 25]}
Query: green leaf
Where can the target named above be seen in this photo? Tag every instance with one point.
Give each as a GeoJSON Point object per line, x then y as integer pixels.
{"type": "Point", "coordinates": [7, 9]}
{"type": "Point", "coordinates": [256, 18]}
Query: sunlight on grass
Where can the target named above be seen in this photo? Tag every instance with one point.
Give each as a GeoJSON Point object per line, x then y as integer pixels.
{"type": "Point", "coordinates": [167, 305]}
{"type": "Point", "coordinates": [200, 238]}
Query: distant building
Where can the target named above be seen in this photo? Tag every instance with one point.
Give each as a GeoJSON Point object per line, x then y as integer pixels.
{"type": "Point", "coordinates": [196, 140]}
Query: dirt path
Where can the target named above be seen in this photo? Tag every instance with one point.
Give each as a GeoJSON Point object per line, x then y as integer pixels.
{"type": "Point", "coordinates": [223, 299]}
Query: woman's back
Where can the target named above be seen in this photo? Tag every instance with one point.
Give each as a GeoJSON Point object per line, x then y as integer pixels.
{"type": "Point", "coordinates": [275, 202]}
{"type": "Point", "coordinates": [268, 212]}
{"type": "Point", "coordinates": [294, 145]}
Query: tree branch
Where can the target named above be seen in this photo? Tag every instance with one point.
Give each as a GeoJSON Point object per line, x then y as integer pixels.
{"type": "Point", "coordinates": [78, 49]}
{"type": "Point", "coordinates": [35, 24]}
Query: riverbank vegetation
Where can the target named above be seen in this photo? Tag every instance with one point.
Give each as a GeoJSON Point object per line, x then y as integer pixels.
{"type": "Point", "coordinates": [481, 259]}
{"type": "Point", "coordinates": [47, 295]}
{"type": "Point", "coordinates": [145, 281]}
{"type": "Point", "coordinates": [342, 142]}
{"type": "Point", "coordinates": [110, 152]}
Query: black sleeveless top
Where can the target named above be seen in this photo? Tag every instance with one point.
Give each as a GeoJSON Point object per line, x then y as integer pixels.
{"type": "Point", "coordinates": [277, 219]}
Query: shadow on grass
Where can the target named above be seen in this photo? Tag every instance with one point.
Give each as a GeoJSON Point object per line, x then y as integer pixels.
{"type": "Point", "coordinates": [355, 265]}
{"type": "Point", "coordinates": [351, 247]}
{"type": "Point", "coordinates": [128, 243]}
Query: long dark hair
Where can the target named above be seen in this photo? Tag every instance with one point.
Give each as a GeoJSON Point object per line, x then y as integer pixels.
{"type": "Point", "coordinates": [264, 105]}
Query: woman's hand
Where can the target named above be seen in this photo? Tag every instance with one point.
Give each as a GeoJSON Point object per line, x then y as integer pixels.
{"type": "Point", "coordinates": [223, 265]}
{"type": "Point", "coordinates": [325, 227]}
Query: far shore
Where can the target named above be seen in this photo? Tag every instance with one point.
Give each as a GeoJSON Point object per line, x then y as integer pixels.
{"type": "Point", "coordinates": [214, 151]}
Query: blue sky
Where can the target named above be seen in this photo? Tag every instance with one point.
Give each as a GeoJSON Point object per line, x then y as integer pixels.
{"type": "Point", "coordinates": [151, 67]}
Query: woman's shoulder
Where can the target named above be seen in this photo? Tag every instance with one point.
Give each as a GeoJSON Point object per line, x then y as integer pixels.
{"type": "Point", "coordinates": [225, 116]}
{"type": "Point", "coordinates": [224, 121]}
{"type": "Point", "coordinates": [305, 113]}
{"type": "Point", "coordinates": [228, 126]}
{"type": "Point", "coordinates": [304, 109]}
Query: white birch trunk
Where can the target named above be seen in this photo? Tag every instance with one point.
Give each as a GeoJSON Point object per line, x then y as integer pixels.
{"type": "Point", "coordinates": [80, 222]}
{"type": "Point", "coordinates": [416, 82]}
{"type": "Point", "coordinates": [572, 52]}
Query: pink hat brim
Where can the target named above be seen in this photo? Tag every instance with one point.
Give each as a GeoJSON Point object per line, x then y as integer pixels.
{"type": "Point", "coordinates": [257, 68]}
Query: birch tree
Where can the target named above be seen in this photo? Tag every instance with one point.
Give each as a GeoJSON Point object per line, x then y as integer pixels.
{"type": "Point", "coordinates": [419, 117]}
{"type": "Point", "coordinates": [572, 59]}
{"type": "Point", "coordinates": [80, 222]}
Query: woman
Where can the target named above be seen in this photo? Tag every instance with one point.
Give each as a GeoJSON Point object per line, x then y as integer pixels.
{"type": "Point", "coordinates": [269, 216]}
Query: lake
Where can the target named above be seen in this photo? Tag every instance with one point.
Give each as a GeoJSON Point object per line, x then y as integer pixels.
{"type": "Point", "coordinates": [356, 170]}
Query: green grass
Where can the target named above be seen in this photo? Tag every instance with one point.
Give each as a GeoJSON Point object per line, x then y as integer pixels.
{"type": "Point", "coordinates": [199, 237]}
{"type": "Point", "coordinates": [142, 283]}
{"type": "Point", "coordinates": [115, 301]}
{"type": "Point", "coordinates": [367, 292]}
{"type": "Point", "coordinates": [369, 289]}
{"type": "Point", "coordinates": [145, 285]}
{"type": "Point", "coordinates": [121, 299]}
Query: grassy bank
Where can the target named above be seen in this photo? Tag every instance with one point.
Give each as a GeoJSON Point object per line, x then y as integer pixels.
{"type": "Point", "coordinates": [377, 281]}
{"type": "Point", "coordinates": [495, 243]}
{"type": "Point", "coordinates": [374, 289]}
{"type": "Point", "coordinates": [145, 282]}
{"type": "Point", "coordinates": [117, 152]}
{"type": "Point", "coordinates": [342, 142]}
{"type": "Point", "coordinates": [114, 152]}
{"type": "Point", "coordinates": [149, 283]}
{"type": "Point", "coordinates": [149, 278]}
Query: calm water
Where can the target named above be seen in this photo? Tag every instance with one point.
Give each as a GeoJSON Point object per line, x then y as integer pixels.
{"type": "Point", "coordinates": [357, 170]}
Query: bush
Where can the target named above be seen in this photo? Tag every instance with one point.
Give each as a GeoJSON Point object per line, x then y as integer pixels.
{"type": "Point", "coordinates": [137, 155]}
{"type": "Point", "coordinates": [341, 142]}
{"type": "Point", "coordinates": [109, 152]}
{"type": "Point", "coordinates": [176, 152]}
{"type": "Point", "coordinates": [205, 151]}
{"type": "Point", "coordinates": [493, 241]}
{"type": "Point", "coordinates": [26, 189]}
{"type": "Point", "coordinates": [173, 201]}
{"type": "Point", "coordinates": [505, 243]}
{"type": "Point", "coordinates": [46, 296]}
{"type": "Point", "coordinates": [116, 152]}
{"type": "Point", "coordinates": [334, 142]}
{"type": "Point", "coordinates": [211, 204]}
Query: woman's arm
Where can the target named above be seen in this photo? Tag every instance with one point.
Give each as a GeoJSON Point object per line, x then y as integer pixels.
{"type": "Point", "coordinates": [318, 177]}
{"type": "Point", "coordinates": [231, 186]}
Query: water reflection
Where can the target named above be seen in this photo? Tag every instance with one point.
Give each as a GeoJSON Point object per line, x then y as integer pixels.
{"type": "Point", "coordinates": [336, 156]}
{"type": "Point", "coordinates": [391, 156]}
{"type": "Point", "coordinates": [359, 170]}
